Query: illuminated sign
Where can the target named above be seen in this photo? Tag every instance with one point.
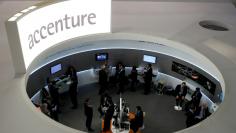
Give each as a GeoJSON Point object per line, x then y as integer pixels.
{"type": "Point", "coordinates": [61, 21]}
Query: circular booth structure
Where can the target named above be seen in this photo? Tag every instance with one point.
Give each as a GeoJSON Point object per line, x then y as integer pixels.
{"type": "Point", "coordinates": [172, 66]}
{"type": "Point", "coordinates": [46, 50]}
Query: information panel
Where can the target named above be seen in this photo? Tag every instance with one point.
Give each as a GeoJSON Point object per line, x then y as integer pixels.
{"type": "Point", "coordinates": [61, 21]}
{"type": "Point", "coordinates": [195, 76]}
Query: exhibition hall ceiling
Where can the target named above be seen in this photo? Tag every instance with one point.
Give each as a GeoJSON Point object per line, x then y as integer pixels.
{"type": "Point", "coordinates": [153, 0]}
{"type": "Point", "coordinates": [176, 20]}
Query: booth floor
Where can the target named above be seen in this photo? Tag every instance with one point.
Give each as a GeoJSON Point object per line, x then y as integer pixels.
{"type": "Point", "coordinates": [160, 114]}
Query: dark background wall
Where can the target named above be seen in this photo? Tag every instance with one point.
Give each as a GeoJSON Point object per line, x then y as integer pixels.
{"type": "Point", "coordinates": [86, 60]}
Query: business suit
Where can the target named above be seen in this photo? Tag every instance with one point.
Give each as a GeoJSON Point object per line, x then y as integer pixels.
{"type": "Point", "coordinates": [121, 77]}
{"type": "Point", "coordinates": [148, 80]}
{"type": "Point", "coordinates": [54, 93]}
{"type": "Point", "coordinates": [108, 117]}
{"type": "Point", "coordinates": [180, 93]}
{"type": "Point", "coordinates": [102, 81]}
{"type": "Point", "coordinates": [73, 86]}
{"type": "Point", "coordinates": [133, 77]}
{"type": "Point", "coordinates": [196, 98]}
{"type": "Point", "coordinates": [88, 111]}
{"type": "Point", "coordinates": [44, 95]}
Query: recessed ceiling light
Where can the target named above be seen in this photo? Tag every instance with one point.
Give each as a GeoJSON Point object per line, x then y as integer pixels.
{"type": "Point", "coordinates": [18, 14]}
{"type": "Point", "coordinates": [25, 10]}
{"type": "Point", "coordinates": [12, 18]}
{"type": "Point", "coordinates": [213, 25]}
{"type": "Point", "coordinates": [32, 7]}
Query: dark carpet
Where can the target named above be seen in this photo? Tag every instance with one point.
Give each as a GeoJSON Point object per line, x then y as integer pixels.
{"type": "Point", "coordinates": [160, 114]}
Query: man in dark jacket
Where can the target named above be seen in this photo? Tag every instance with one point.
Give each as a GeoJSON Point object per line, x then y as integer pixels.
{"type": "Point", "coordinates": [133, 77]}
{"type": "Point", "coordinates": [102, 80]}
{"type": "Point", "coordinates": [121, 79]}
{"type": "Point", "coordinates": [71, 72]}
{"type": "Point", "coordinates": [180, 93]}
{"type": "Point", "coordinates": [148, 79]}
{"type": "Point", "coordinates": [108, 115]}
{"type": "Point", "coordinates": [196, 97]}
{"type": "Point", "coordinates": [88, 111]}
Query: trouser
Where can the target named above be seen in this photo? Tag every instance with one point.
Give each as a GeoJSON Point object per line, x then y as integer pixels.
{"type": "Point", "coordinates": [103, 88]}
{"type": "Point", "coordinates": [121, 88]}
{"type": "Point", "coordinates": [54, 115]}
{"type": "Point", "coordinates": [73, 94]}
{"type": "Point", "coordinates": [107, 124]}
{"type": "Point", "coordinates": [88, 122]}
{"type": "Point", "coordinates": [179, 101]}
{"type": "Point", "coordinates": [133, 82]}
{"type": "Point", "coordinates": [190, 120]}
{"type": "Point", "coordinates": [147, 86]}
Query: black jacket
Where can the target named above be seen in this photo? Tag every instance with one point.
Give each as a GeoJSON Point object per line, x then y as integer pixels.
{"type": "Point", "coordinates": [88, 111]}
{"type": "Point", "coordinates": [196, 96]}
{"type": "Point", "coordinates": [102, 77]}
{"type": "Point", "coordinates": [134, 75]}
{"type": "Point", "coordinates": [178, 90]}
{"type": "Point", "coordinates": [121, 76]}
{"type": "Point", "coordinates": [148, 75]}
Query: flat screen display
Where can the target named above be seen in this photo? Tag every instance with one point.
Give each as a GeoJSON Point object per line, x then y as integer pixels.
{"type": "Point", "coordinates": [101, 57]}
{"type": "Point", "coordinates": [56, 68]}
{"type": "Point", "coordinates": [149, 59]}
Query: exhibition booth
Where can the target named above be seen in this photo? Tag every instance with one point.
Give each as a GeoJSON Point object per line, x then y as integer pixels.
{"type": "Point", "coordinates": [42, 49]}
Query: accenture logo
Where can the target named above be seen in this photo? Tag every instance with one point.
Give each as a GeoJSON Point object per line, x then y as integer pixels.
{"type": "Point", "coordinates": [60, 25]}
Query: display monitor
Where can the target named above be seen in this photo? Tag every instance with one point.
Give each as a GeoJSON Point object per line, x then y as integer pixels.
{"type": "Point", "coordinates": [149, 59]}
{"type": "Point", "coordinates": [56, 68]}
{"type": "Point", "coordinates": [101, 56]}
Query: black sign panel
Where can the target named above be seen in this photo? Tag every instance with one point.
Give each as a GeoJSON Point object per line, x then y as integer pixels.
{"type": "Point", "coordinates": [194, 75]}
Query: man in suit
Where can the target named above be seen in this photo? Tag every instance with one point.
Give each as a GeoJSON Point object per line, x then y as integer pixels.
{"type": "Point", "coordinates": [108, 115]}
{"type": "Point", "coordinates": [148, 79]}
{"type": "Point", "coordinates": [121, 78]}
{"type": "Point", "coordinates": [44, 94]}
{"type": "Point", "coordinates": [88, 111]}
{"type": "Point", "coordinates": [180, 93]}
{"type": "Point", "coordinates": [71, 72]}
{"type": "Point", "coordinates": [134, 77]}
{"type": "Point", "coordinates": [102, 80]}
{"type": "Point", "coordinates": [195, 101]}
{"type": "Point", "coordinates": [196, 97]}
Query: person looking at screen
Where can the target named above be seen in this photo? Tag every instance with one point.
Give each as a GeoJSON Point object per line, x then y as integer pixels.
{"type": "Point", "coordinates": [148, 78]}
{"type": "Point", "coordinates": [180, 93]}
{"type": "Point", "coordinates": [71, 72]}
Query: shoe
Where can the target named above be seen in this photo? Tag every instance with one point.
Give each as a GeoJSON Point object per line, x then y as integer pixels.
{"type": "Point", "coordinates": [176, 107]}
{"type": "Point", "coordinates": [90, 130]}
{"type": "Point", "coordinates": [73, 107]}
{"type": "Point", "coordinates": [179, 108]}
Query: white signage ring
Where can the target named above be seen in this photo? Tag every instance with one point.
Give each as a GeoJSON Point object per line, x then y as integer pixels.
{"type": "Point", "coordinates": [52, 24]}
